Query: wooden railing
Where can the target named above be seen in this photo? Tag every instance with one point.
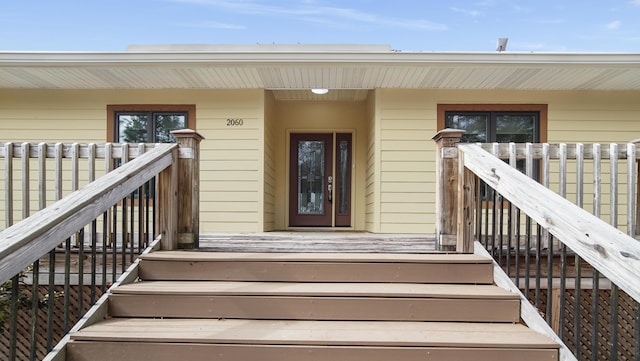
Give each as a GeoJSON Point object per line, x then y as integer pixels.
{"type": "Point", "coordinates": [56, 262]}
{"type": "Point", "coordinates": [579, 271]}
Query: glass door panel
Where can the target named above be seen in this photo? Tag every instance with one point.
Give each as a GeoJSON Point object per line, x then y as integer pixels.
{"type": "Point", "coordinates": [343, 180]}
{"type": "Point", "coordinates": [311, 159]}
{"type": "Point", "coordinates": [311, 179]}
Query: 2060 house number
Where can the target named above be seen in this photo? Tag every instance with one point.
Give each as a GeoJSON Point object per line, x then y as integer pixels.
{"type": "Point", "coordinates": [235, 122]}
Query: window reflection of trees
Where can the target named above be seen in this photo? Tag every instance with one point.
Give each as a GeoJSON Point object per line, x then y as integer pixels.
{"type": "Point", "coordinates": [311, 177]}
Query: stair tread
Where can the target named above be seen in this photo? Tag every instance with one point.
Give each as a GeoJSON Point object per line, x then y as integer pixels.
{"type": "Point", "coordinates": [338, 333]}
{"type": "Point", "coordinates": [316, 289]}
{"type": "Point", "coordinates": [315, 257]}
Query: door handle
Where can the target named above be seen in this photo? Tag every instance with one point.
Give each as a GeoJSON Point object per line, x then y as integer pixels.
{"type": "Point", "coordinates": [330, 187]}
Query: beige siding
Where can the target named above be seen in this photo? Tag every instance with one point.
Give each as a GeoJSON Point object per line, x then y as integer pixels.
{"type": "Point", "coordinates": [372, 194]}
{"type": "Point", "coordinates": [230, 198]}
{"type": "Point", "coordinates": [245, 169]}
{"type": "Point", "coordinates": [232, 165]}
{"type": "Point", "coordinates": [408, 121]}
{"type": "Point", "coordinates": [269, 195]}
{"type": "Point", "coordinates": [407, 161]}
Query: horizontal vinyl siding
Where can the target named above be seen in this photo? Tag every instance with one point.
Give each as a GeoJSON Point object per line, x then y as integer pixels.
{"type": "Point", "coordinates": [230, 172]}
{"type": "Point", "coordinates": [371, 211]}
{"type": "Point", "coordinates": [269, 198]}
{"type": "Point", "coordinates": [407, 163]}
{"type": "Point", "coordinates": [231, 156]}
{"type": "Point", "coordinates": [596, 117]}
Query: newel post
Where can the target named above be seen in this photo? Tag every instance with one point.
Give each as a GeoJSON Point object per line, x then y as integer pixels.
{"type": "Point", "coordinates": [447, 187]}
{"type": "Point", "coordinates": [188, 213]}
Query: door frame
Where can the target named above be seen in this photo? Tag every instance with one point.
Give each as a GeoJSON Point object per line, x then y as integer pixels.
{"type": "Point", "coordinates": [288, 170]}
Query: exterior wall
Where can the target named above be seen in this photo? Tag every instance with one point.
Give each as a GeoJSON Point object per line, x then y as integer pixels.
{"type": "Point", "coordinates": [269, 195]}
{"type": "Point", "coordinates": [408, 121]}
{"type": "Point", "coordinates": [232, 165]}
{"type": "Point", "coordinates": [407, 161]}
{"type": "Point", "coordinates": [324, 116]}
{"type": "Point", "coordinates": [372, 187]}
{"type": "Point", "coordinates": [245, 169]}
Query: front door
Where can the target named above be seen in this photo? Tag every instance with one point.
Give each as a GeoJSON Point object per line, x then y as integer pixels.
{"type": "Point", "coordinates": [313, 186]}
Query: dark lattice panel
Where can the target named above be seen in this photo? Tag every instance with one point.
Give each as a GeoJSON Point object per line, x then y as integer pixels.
{"type": "Point", "coordinates": [625, 319]}
{"type": "Point", "coordinates": [24, 321]}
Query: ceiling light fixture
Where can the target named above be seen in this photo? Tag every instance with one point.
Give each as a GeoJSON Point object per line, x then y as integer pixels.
{"type": "Point", "coordinates": [319, 91]}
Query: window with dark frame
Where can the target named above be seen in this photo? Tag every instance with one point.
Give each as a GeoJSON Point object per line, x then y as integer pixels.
{"type": "Point", "coordinates": [497, 126]}
{"type": "Point", "coordinates": [149, 126]}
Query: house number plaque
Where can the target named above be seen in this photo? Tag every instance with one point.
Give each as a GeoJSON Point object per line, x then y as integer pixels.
{"type": "Point", "coordinates": [235, 122]}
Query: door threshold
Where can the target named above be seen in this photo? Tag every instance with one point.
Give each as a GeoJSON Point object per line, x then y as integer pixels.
{"type": "Point", "coordinates": [324, 229]}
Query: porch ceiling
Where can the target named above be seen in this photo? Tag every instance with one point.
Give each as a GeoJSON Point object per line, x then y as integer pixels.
{"type": "Point", "coordinates": [290, 73]}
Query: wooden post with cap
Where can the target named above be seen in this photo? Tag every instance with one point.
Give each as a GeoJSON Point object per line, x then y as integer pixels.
{"type": "Point", "coordinates": [189, 188]}
{"type": "Point", "coordinates": [447, 187]}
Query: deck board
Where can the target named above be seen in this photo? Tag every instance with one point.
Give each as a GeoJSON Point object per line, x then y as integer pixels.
{"type": "Point", "coordinates": [109, 351]}
{"type": "Point", "coordinates": [334, 333]}
{"type": "Point", "coordinates": [205, 255]}
{"type": "Point", "coordinates": [318, 242]}
{"type": "Point", "coordinates": [396, 290]}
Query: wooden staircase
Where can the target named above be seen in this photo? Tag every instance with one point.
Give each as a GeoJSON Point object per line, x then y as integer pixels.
{"type": "Point", "coordinates": [321, 306]}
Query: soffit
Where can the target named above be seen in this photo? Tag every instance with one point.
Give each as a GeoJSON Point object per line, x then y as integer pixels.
{"type": "Point", "coordinates": [291, 74]}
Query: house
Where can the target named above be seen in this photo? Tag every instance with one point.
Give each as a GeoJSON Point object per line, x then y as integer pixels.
{"type": "Point", "coordinates": [332, 137]}
{"type": "Point", "coordinates": [358, 157]}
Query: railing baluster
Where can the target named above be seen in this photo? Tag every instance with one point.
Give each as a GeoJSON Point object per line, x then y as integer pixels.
{"type": "Point", "coordinates": [91, 167]}
{"type": "Point", "coordinates": [577, 319]}
{"type": "Point", "coordinates": [35, 301]}
{"type": "Point", "coordinates": [125, 228]}
{"type": "Point", "coordinates": [13, 317]}
{"type": "Point", "coordinates": [563, 248]}
{"type": "Point", "coordinates": [67, 283]}
{"type": "Point", "coordinates": [546, 237]}
{"type": "Point", "coordinates": [42, 175]}
{"type": "Point", "coordinates": [51, 298]}
{"type": "Point", "coordinates": [529, 173]}
{"type": "Point", "coordinates": [636, 329]}
{"type": "Point", "coordinates": [594, 315]}
{"type": "Point", "coordinates": [597, 180]}
{"type": "Point", "coordinates": [105, 242]}
{"type": "Point", "coordinates": [512, 224]}
{"type": "Point", "coordinates": [613, 341]}
{"type": "Point", "coordinates": [632, 177]}
{"type": "Point", "coordinates": [8, 184]}
{"type": "Point", "coordinates": [613, 163]}
{"type": "Point", "coordinates": [495, 150]}
{"type": "Point", "coordinates": [59, 150]}
{"type": "Point", "coordinates": [26, 187]}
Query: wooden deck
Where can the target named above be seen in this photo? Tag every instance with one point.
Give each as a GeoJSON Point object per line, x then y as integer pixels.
{"type": "Point", "coordinates": [347, 306]}
{"type": "Point", "coordinates": [318, 242]}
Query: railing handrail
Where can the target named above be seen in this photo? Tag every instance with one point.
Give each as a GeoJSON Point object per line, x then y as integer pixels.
{"type": "Point", "coordinates": [116, 150]}
{"type": "Point", "coordinates": [28, 240]}
{"type": "Point", "coordinates": [503, 150]}
{"type": "Point", "coordinates": [607, 249]}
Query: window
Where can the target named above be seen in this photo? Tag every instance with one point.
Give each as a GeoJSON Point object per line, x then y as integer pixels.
{"type": "Point", "coordinates": [500, 124]}
{"type": "Point", "coordinates": [147, 123]}
{"type": "Point", "coordinates": [487, 123]}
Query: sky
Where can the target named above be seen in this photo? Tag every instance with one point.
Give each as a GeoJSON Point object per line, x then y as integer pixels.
{"type": "Point", "coordinates": [405, 25]}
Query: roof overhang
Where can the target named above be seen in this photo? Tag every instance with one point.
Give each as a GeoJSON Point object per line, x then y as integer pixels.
{"type": "Point", "coordinates": [350, 68]}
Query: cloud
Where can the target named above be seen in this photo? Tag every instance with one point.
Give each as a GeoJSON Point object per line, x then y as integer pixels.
{"type": "Point", "coordinates": [635, 2]}
{"type": "Point", "coordinates": [472, 13]}
{"type": "Point", "coordinates": [614, 25]}
{"type": "Point", "coordinates": [310, 11]}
